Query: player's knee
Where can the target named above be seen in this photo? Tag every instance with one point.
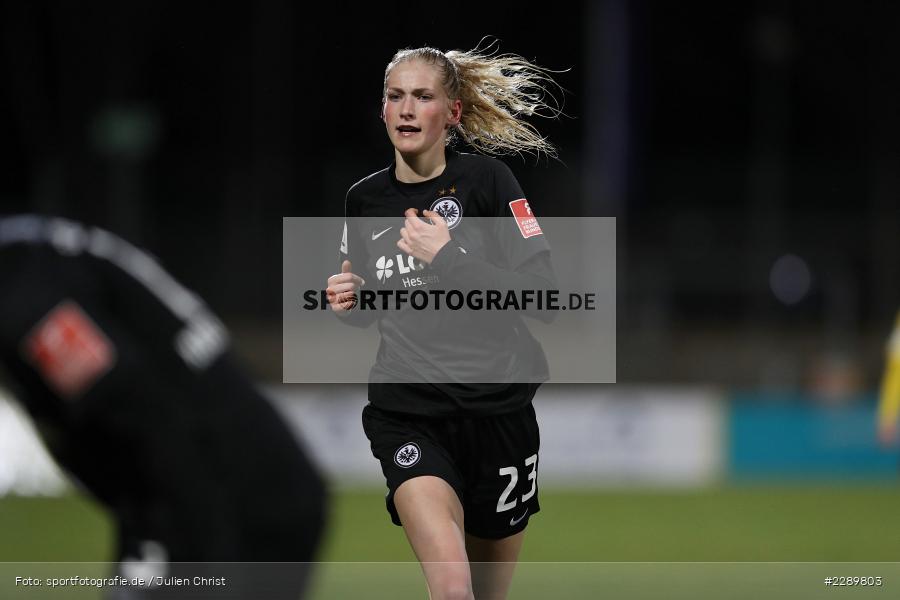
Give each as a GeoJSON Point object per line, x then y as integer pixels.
{"type": "Point", "coordinates": [460, 589]}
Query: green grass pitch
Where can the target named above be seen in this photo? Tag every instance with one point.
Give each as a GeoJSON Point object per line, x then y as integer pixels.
{"type": "Point", "coordinates": [674, 535]}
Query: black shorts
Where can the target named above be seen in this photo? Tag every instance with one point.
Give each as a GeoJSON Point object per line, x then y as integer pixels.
{"type": "Point", "coordinates": [490, 461]}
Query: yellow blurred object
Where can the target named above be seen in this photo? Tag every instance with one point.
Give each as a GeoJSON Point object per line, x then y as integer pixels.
{"type": "Point", "coordinates": [889, 398]}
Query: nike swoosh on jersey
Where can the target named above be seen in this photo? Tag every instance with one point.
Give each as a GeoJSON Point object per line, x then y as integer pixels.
{"type": "Point", "coordinates": [514, 521]}
{"type": "Point", "coordinates": [375, 236]}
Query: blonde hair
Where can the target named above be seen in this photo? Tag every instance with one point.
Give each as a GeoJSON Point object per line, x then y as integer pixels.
{"type": "Point", "coordinates": [496, 90]}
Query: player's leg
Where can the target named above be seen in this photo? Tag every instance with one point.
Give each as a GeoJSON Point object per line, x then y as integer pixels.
{"type": "Point", "coordinates": [492, 564]}
{"type": "Point", "coordinates": [424, 495]}
{"type": "Point", "coordinates": [432, 518]}
{"type": "Point", "coordinates": [501, 495]}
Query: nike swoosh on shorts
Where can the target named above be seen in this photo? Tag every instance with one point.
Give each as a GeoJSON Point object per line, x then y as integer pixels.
{"type": "Point", "coordinates": [514, 521]}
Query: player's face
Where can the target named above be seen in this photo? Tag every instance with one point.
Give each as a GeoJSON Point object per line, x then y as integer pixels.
{"type": "Point", "coordinates": [417, 112]}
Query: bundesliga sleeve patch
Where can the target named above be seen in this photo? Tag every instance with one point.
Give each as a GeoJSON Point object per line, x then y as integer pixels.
{"type": "Point", "coordinates": [69, 350]}
{"type": "Point", "coordinates": [527, 222]}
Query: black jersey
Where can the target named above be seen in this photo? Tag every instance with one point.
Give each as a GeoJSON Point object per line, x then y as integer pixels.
{"type": "Point", "coordinates": [476, 362]}
{"type": "Point", "coordinates": [70, 291]}
{"type": "Point", "coordinates": [129, 378]}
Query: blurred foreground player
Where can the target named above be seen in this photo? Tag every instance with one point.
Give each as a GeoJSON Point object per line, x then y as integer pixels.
{"type": "Point", "coordinates": [128, 377]}
{"type": "Point", "coordinates": [889, 399]}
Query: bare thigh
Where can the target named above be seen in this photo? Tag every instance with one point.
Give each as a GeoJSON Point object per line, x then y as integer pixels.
{"type": "Point", "coordinates": [433, 521]}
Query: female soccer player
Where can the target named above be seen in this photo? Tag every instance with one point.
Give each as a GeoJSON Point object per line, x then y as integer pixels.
{"type": "Point", "coordinates": [459, 450]}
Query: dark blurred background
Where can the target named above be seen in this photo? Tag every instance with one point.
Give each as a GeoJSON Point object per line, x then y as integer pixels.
{"type": "Point", "coordinates": [748, 150]}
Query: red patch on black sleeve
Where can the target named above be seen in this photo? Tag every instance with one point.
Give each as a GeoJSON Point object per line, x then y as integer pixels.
{"type": "Point", "coordinates": [69, 350]}
{"type": "Point", "coordinates": [527, 222]}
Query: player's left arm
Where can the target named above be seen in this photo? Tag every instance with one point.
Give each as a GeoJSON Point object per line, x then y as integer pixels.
{"type": "Point", "coordinates": [431, 243]}
{"type": "Point", "coordinates": [523, 248]}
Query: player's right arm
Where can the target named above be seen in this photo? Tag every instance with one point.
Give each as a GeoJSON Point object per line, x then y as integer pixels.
{"type": "Point", "coordinates": [343, 288]}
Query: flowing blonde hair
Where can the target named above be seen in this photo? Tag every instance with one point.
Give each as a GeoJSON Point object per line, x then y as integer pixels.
{"type": "Point", "coordinates": [496, 90]}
